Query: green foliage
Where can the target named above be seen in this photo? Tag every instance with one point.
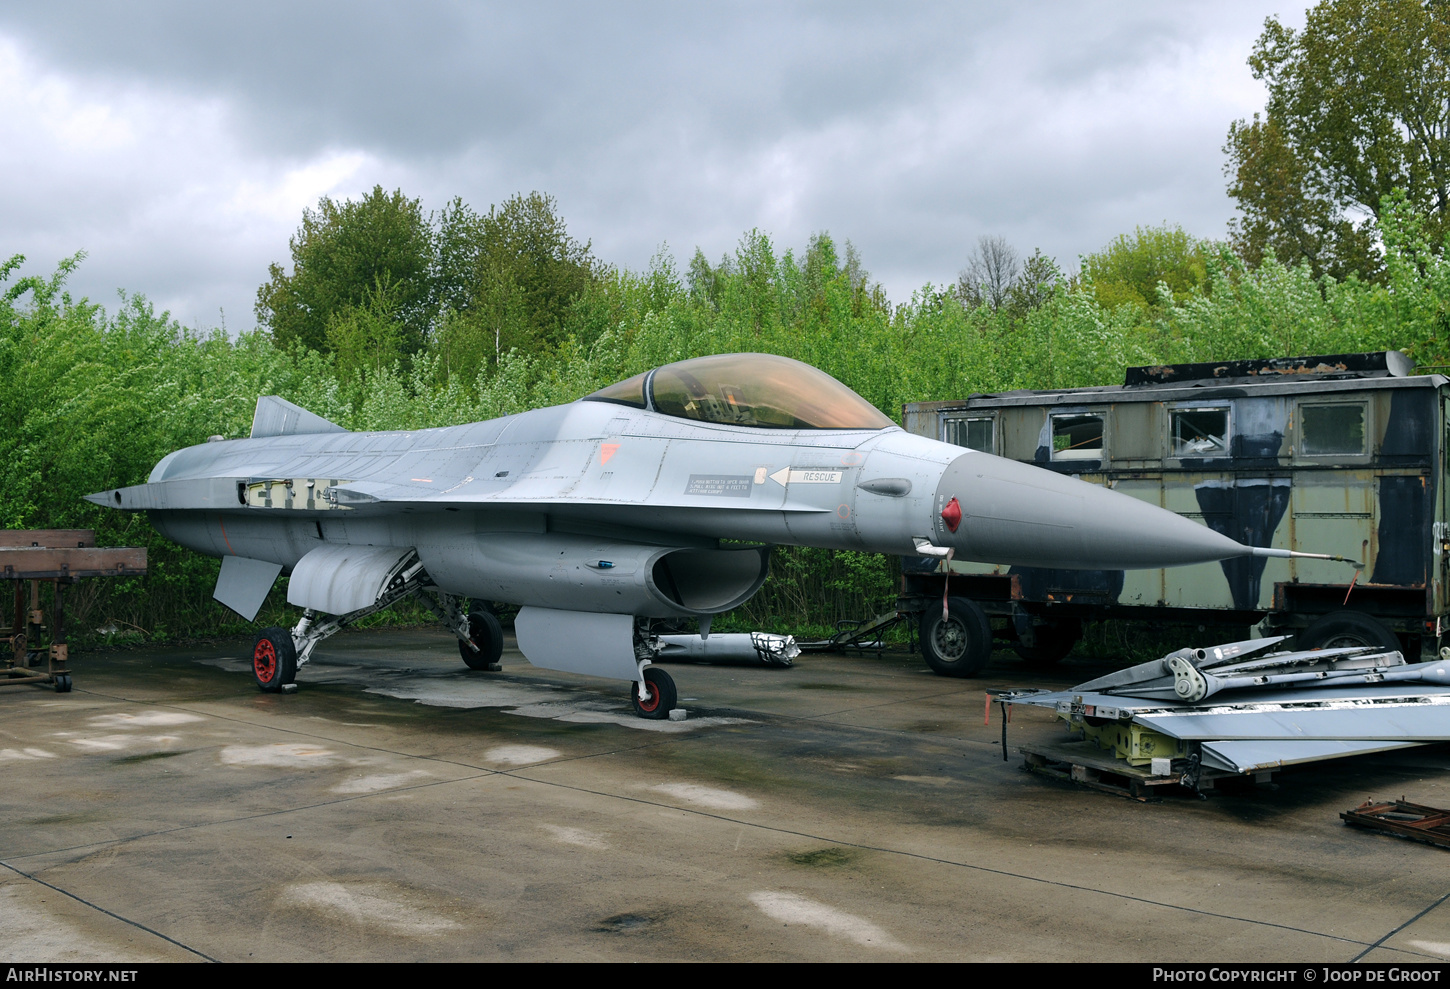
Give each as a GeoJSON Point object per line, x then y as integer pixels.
{"type": "Point", "coordinates": [341, 255]}
{"type": "Point", "coordinates": [509, 280]}
{"type": "Point", "coordinates": [367, 336]}
{"type": "Point", "coordinates": [1357, 107]}
{"type": "Point", "coordinates": [1133, 268]}
{"type": "Point", "coordinates": [94, 398]}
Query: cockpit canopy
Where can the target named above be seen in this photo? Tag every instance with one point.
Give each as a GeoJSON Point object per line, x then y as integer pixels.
{"type": "Point", "coordinates": [760, 390]}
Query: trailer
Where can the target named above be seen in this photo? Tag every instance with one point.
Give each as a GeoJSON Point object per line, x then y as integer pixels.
{"type": "Point", "coordinates": [1341, 454]}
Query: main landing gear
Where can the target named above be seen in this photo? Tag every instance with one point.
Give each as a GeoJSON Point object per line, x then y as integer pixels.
{"type": "Point", "coordinates": [484, 645]}
{"type": "Point", "coordinates": [278, 653]}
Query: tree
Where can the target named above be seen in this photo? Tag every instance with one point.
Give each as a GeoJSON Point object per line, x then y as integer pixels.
{"type": "Point", "coordinates": [1034, 284]}
{"type": "Point", "coordinates": [341, 254]}
{"type": "Point", "coordinates": [367, 337]}
{"type": "Point", "coordinates": [1359, 105]}
{"type": "Point", "coordinates": [1131, 267]}
{"type": "Point", "coordinates": [507, 279]}
{"type": "Point", "coordinates": [992, 268]}
{"type": "Point", "coordinates": [997, 277]}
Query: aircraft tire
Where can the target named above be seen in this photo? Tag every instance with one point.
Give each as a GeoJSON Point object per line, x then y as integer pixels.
{"type": "Point", "coordinates": [959, 646]}
{"type": "Point", "coordinates": [274, 659]}
{"type": "Point", "coordinates": [663, 695]}
{"type": "Point", "coordinates": [1348, 628]}
{"type": "Point", "coordinates": [485, 632]}
{"type": "Point", "coordinates": [1053, 642]}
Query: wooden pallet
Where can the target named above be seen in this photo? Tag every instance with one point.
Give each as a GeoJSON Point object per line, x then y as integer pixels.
{"type": "Point", "coordinates": [1081, 762]}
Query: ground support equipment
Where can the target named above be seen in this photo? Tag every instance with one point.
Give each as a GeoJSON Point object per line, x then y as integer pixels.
{"type": "Point", "coordinates": [59, 557]}
{"type": "Point", "coordinates": [1080, 761]}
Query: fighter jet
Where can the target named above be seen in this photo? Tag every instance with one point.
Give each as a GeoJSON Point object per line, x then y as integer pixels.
{"type": "Point", "coordinates": [656, 497]}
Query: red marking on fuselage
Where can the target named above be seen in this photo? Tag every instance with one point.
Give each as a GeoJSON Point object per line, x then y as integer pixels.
{"type": "Point", "coordinates": [607, 450]}
{"type": "Point", "coordinates": [223, 527]}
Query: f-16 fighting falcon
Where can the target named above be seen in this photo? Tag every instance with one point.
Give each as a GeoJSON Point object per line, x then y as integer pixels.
{"type": "Point", "coordinates": [656, 497]}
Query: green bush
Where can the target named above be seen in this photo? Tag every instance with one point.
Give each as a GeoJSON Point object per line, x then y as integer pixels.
{"type": "Point", "coordinates": [92, 399]}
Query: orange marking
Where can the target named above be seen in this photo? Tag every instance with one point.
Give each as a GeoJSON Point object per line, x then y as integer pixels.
{"type": "Point", "coordinates": [223, 526]}
{"type": "Point", "coordinates": [607, 450]}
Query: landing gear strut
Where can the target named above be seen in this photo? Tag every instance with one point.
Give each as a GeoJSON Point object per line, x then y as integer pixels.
{"type": "Point", "coordinates": [277, 654]}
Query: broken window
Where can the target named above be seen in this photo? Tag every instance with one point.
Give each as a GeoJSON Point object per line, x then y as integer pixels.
{"type": "Point", "coordinates": [1200, 432]}
{"type": "Point", "coordinates": [1328, 430]}
{"type": "Point", "coordinates": [1077, 436]}
{"type": "Point", "coordinates": [974, 434]}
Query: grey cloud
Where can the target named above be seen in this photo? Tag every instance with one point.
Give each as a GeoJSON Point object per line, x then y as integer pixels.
{"type": "Point", "coordinates": [911, 130]}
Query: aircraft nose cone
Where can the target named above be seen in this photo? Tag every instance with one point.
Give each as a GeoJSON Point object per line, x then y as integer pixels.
{"type": "Point", "coordinates": [1014, 513]}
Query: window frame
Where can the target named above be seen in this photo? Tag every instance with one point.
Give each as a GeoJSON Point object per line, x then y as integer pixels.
{"type": "Point", "coordinates": [948, 421]}
{"type": "Point", "coordinates": [1053, 456]}
{"type": "Point", "coordinates": [1228, 427]}
{"type": "Point", "coordinates": [1366, 445]}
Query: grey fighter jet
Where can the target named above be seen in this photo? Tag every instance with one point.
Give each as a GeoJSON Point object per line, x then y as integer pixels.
{"type": "Point", "coordinates": [657, 497]}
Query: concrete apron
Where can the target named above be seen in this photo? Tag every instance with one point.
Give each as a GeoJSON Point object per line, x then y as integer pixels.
{"type": "Point", "coordinates": [400, 807]}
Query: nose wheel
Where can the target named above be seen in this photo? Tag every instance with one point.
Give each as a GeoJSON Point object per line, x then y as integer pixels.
{"type": "Point", "coordinates": [662, 695]}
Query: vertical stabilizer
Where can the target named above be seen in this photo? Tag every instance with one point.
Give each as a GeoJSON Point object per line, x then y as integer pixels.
{"type": "Point", "coordinates": [279, 417]}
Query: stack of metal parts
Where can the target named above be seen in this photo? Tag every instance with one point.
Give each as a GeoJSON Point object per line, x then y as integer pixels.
{"type": "Point", "coordinates": [1240, 708]}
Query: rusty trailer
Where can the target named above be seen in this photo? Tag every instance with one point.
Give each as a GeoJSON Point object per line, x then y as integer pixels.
{"type": "Point", "coordinates": [59, 557]}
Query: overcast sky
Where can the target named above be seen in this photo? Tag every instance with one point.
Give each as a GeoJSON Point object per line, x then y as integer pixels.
{"type": "Point", "coordinates": [178, 143]}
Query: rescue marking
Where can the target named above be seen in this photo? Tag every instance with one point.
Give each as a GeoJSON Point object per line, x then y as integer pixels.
{"type": "Point", "coordinates": [806, 475]}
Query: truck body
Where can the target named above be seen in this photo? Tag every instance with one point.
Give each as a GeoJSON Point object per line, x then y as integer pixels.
{"type": "Point", "coordinates": [1340, 454]}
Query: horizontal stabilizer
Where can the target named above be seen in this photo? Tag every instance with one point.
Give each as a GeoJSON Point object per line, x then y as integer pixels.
{"type": "Point", "coordinates": [279, 417]}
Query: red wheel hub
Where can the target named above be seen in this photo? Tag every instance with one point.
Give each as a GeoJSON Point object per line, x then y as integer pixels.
{"type": "Point", "coordinates": [654, 697]}
{"type": "Point", "coordinates": [264, 660]}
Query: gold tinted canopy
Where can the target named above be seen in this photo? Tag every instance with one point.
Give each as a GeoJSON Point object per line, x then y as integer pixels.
{"type": "Point", "coordinates": [760, 390]}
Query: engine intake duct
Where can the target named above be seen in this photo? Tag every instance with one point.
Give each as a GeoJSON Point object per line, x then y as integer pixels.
{"type": "Point", "coordinates": [568, 572]}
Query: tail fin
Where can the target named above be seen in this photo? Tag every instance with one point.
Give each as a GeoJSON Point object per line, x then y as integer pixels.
{"type": "Point", "coordinates": [279, 417]}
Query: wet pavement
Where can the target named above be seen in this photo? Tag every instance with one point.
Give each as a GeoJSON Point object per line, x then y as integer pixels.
{"type": "Point", "coordinates": [400, 807]}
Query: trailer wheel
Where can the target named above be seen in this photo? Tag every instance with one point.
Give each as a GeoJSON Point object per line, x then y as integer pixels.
{"type": "Point", "coordinates": [961, 645]}
{"type": "Point", "coordinates": [1052, 642]}
{"type": "Point", "coordinates": [1348, 628]}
